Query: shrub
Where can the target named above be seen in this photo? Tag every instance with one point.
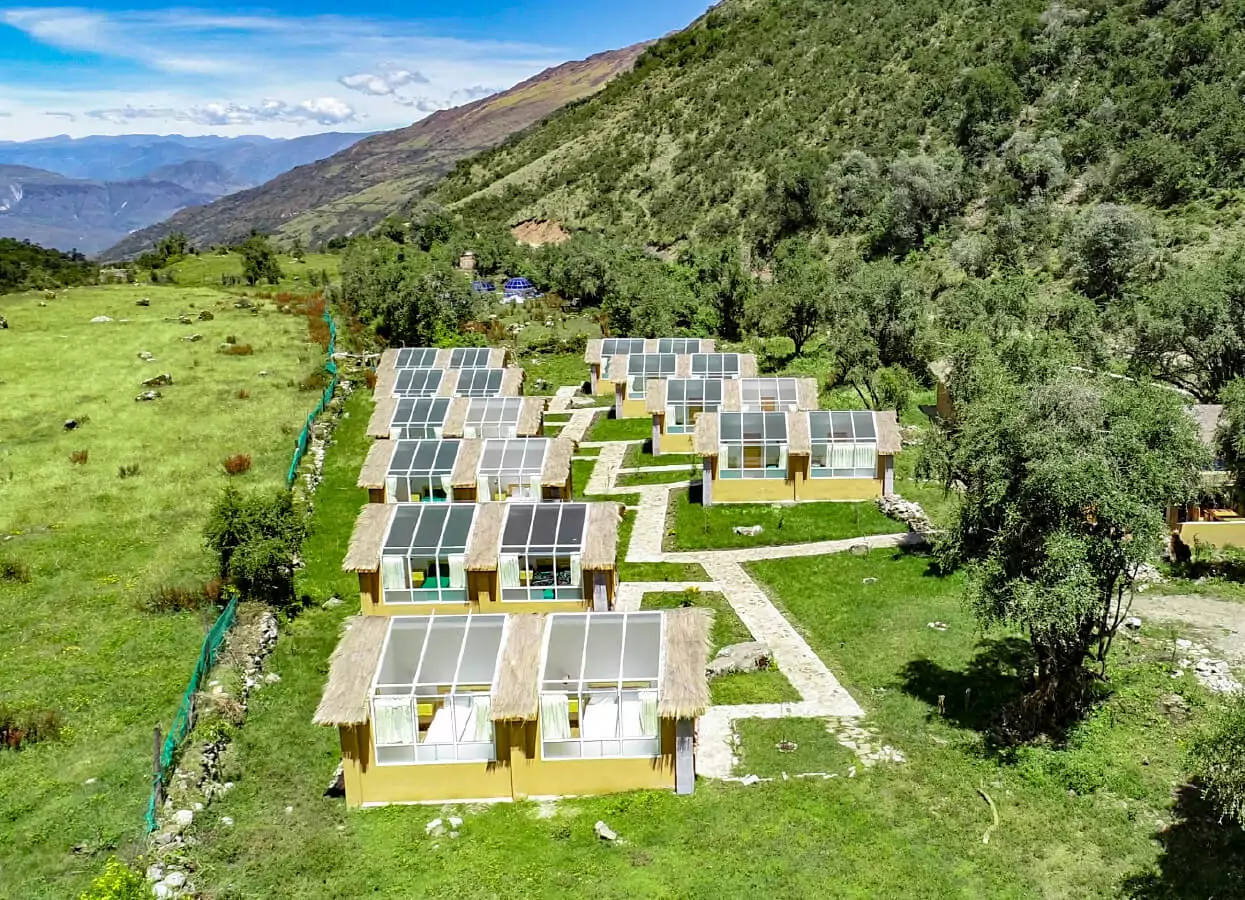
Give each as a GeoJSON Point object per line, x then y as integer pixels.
{"type": "Point", "coordinates": [256, 537]}
{"type": "Point", "coordinates": [1217, 757]}
{"type": "Point", "coordinates": [1108, 245]}
{"type": "Point", "coordinates": [20, 727]}
{"type": "Point", "coordinates": [316, 381]}
{"type": "Point", "coordinates": [118, 882]}
{"type": "Point", "coordinates": [243, 394]}
{"type": "Point", "coordinates": [238, 464]}
{"type": "Point", "coordinates": [239, 350]}
{"type": "Point", "coordinates": [231, 339]}
{"type": "Point", "coordinates": [127, 471]}
{"type": "Point", "coordinates": [369, 378]}
{"type": "Point", "coordinates": [14, 570]}
{"type": "Point", "coordinates": [175, 598]}
{"type": "Point", "coordinates": [79, 457]}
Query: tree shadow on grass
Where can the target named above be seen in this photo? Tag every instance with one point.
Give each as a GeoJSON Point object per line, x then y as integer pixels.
{"type": "Point", "coordinates": [1203, 855]}
{"type": "Point", "coordinates": [975, 696]}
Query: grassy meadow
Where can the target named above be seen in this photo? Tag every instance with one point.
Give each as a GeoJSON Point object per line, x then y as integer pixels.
{"type": "Point", "coordinates": [78, 639]}
{"type": "Point", "coordinates": [206, 270]}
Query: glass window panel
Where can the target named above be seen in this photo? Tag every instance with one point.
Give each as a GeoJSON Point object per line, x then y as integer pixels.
{"type": "Point", "coordinates": [604, 653]}
{"type": "Point", "coordinates": [428, 529]}
{"type": "Point", "coordinates": [416, 358]}
{"type": "Point", "coordinates": [752, 426]}
{"type": "Point", "coordinates": [730, 427]}
{"type": "Point", "coordinates": [441, 650]}
{"type": "Point", "coordinates": [480, 657]}
{"type": "Point", "coordinates": [564, 659]}
{"type": "Point", "coordinates": [545, 525]}
{"type": "Point", "coordinates": [642, 653]}
{"type": "Point", "coordinates": [864, 426]}
{"type": "Point", "coordinates": [841, 426]}
{"type": "Point", "coordinates": [776, 427]}
{"type": "Point", "coordinates": [403, 527]}
{"type": "Point", "coordinates": [457, 528]}
{"type": "Point", "coordinates": [571, 527]}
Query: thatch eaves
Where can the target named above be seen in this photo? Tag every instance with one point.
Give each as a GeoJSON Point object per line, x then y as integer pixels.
{"type": "Point", "coordinates": [368, 538]}
{"type": "Point", "coordinates": [352, 667]}
{"type": "Point", "coordinates": [531, 417]}
{"type": "Point", "coordinates": [382, 417]}
{"type": "Point", "coordinates": [655, 395]}
{"type": "Point", "coordinates": [376, 466]}
{"type": "Point", "coordinates": [556, 470]}
{"type": "Point", "coordinates": [705, 437]}
{"type": "Point", "coordinates": [799, 436]}
{"type": "Point", "coordinates": [890, 438]}
{"type": "Point", "coordinates": [516, 692]}
{"type": "Point", "coordinates": [601, 536]}
{"type": "Point", "coordinates": [484, 541]}
{"type": "Point", "coordinates": [683, 688]}
{"type": "Point", "coordinates": [512, 382]}
{"type": "Point", "coordinates": [463, 475]}
{"type": "Point", "coordinates": [807, 395]}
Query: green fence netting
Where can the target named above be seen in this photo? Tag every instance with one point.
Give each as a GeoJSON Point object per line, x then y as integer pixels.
{"type": "Point", "coordinates": [304, 437]}
{"type": "Point", "coordinates": [184, 721]}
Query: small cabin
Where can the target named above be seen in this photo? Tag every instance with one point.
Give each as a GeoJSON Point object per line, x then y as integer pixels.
{"type": "Point", "coordinates": [630, 394]}
{"type": "Point", "coordinates": [457, 708]}
{"type": "Point", "coordinates": [473, 382]}
{"type": "Point", "coordinates": [803, 455]}
{"type": "Point", "coordinates": [676, 403]}
{"type": "Point", "coordinates": [1210, 523]}
{"type": "Point", "coordinates": [470, 470]}
{"type": "Point", "coordinates": [426, 558]}
{"type": "Point", "coordinates": [600, 355]}
{"type": "Point", "coordinates": [415, 418]}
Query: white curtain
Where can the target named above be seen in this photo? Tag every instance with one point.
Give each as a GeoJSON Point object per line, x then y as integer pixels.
{"type": "Point", "coordinates": [648, 713]}
{"type": "Point", "coordinates": [395, 434]}
{"type": "Point", "coordinates": [447, 485]}
{"type": "Point", "coordinates": [391, 488]}
{"type": "Point", "coordinates": [866, 456]}
{"type": "Point", "coordinates": [782, 459]}
{"type": "Point", "coordinates": [393, 573]}
{"type": "Point", "coordinates": [392, 720]}
{"type": "Point", "coordinates": [482, 712]}
{"type": "Point", "coordinates": [670, 417]}
{"type": "Point", "coordinates": [436, 432]}
{"type": "Point", "coordinates": [508, 569]}
{"type": "Point", "coordinates": [534, 483]}
{"type": "Point", "coordinates": [458, 571]}
{"type": "Point", "coordinates": [482, 490]}
{"type": "Point", "coordinates": [842, 456]}
{"type": "Point", "coordinates": [555, 716]}
{"type": "Point", "coordinates": [577, 569]}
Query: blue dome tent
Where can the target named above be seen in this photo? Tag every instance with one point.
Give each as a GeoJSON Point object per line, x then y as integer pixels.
{"type": "Point", "coordinates": [483, 287]}
{"type": "Point", "coordinates": [518, 285]}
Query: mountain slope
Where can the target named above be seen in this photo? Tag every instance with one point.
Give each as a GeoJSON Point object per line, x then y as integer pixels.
{"type": "Point", "coordinates": [373, 178]}
{"type": "Point", "coordinates": [747, 121]}
{"type": "Point", "coordinates": [250, 159]}
{"type": "Point", "coordinates": [66, 213]}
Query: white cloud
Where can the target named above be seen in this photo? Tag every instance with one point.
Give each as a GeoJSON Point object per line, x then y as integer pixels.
{"type": "Point", "coordinates": [382, 84]}
{"type": "Point", "coordinates": [6, 115]}
{"type": "Point", "coordinates": [67, 116]}
{"type": "Point", "coordinates": [321, 110]}
{"type": "Point", "coordinates": [455, 98]}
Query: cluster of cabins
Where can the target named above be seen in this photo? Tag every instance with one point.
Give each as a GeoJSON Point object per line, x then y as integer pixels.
{"type": "Point", "coordinates": [488, 661]}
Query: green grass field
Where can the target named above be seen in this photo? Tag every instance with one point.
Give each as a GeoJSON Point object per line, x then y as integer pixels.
{"type": "Point", "coordinates": [609, 429]}
{"type": "Point", "coordinates": [698, 527]}
{"type": "Point", "coordinates": [76, 639]}
{"type": "Point", "coordinates": [206, 270]}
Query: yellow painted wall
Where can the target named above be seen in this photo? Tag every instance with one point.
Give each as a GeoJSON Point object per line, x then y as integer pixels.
{"type": "Point", "coordinates": [837, 488]}
{"type": "Point", "coordinates": [482, 593]}
{"type": "Point", "coordinates": [634, 408]}
{"type": "Point", "coordinates": [676, 443]}
{"type": "Point", "coordinates": [533, 776]}
{"type": "Point", "coordinates": [752, 490]}
{"type": "Point", "coordinates": [1212, 534]}
{"type": "Point", "coordinates": [605, 388]}
{"type": "Point", "coordinates": [368, 782]}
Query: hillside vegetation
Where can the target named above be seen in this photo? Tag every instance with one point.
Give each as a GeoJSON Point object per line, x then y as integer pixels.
{"type": "Point", "coordinates": [24, 266]}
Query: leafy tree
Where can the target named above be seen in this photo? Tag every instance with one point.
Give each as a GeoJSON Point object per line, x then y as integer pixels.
{"type": "Point", "coordinates": [259, 260]}
{"type": "Point", "coordinates": [24, 266]}
{"type": "Point", "coordinates": [256, 537]}
{"type": "Point", "coordinates": [854, 187]}
{"type": "Point", "coordinates": [1107, 247]}
{"type": "Point", "coordinates": [797, 303]}
{"type": "Point", "coordinates": [991, 99]}
{"type": "Point", "coordinates": [1035, 165]}
{"type": "Point", "coordinates": [1191, 327]}
{"type": "Point", "coordinates": [1218, 759]}
{"type": "Point", "coordinates": [924, 193]}
{"type": "Point", "coordinates": [1230, 441]}
{"type": "Point", "coordinates": [722, 283]}
{"type": "Point", "coordinates": [1064, 487]}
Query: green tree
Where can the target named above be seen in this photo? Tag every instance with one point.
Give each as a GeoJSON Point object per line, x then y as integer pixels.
{"type": "Point", "coordinates": [1230, 439]}
{"type": "Point", "coordinates": [1190, 327]}
{"type": "Point", "coordinates": [1064, 486]}
{"type": "Point", "coordinates": [256, 537]}
{"type": "Point", "coordinates": [923, 194]}
{"type": "Point", "coordinates": [1217, 757]}
{"type": "Point", "coordinates": [797, 303]}
{"type": "Point", "coordinates": [721, 283]}
{"type": "Point", "coordinates": [259, 260]}
{"type": "Point", "coordinates": [1109, 245]}
{"type": "Point", "coordinates": [991, 99]}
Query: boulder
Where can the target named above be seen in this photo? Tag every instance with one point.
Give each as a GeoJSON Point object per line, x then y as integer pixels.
{"type": "Point", "coordinates": [99, 320]}
{"type": "Point", "coordinates": [183, 319]}
{"type": "Point", "coordinates": [206, 316]}
{"type": "Point", "coordinates": [604, 832]}
{"type": "Point", "coordinates": [183, 818]}
{"type": "Point", "coordinates": [175, 879]}
{"type": "Point", "coordinates": [146, 356]}
{"type": "Point", "coordinates": [752, 656]}
{"type": "Point", "coordinates": [193, 337]}
{"type": "Point", "coordinates": [144, 302]}
{"type": "Point", "coordinates": [148, 396]}
{"type": "Point", "coordinates": [71, 424]}
{"type": "Point", "coordinates": [1132, 623]}
{"type": "Point", "coordinates": [4, 323]}
{"type": "Point", "coordinates": [162, 380]}
{"type": "Point", "coordinates": [748, 530]}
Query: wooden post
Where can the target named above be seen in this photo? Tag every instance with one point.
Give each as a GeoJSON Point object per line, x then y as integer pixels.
{"type": "Point", "coordinates": [156, 780]}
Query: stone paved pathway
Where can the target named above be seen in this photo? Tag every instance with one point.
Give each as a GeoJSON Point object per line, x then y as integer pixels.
{"type": "Point", "coordinates": [606, 469]}
{"type": "Point", "coordinates": [562, 397]}
{"type": "Point", "coordinates": [579, 424]}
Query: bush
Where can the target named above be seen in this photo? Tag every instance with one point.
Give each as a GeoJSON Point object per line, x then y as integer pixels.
{"type": "Point", "coordinates": [239, 350]}
{"type": "Point", "coordinates": [14, 570]}
{"type": "Point", "coordinates": [127, 471]}
{"type": "Point", "coordinates": [118, 882]}
{"type": "Point", "coordinates": [243, 394]}
{"type": "Point", "coordinates": [238, 464]}
{"type": "Point", "coordinates": [256, 537]}
{"type": "Point", "coordinates": [316, 381]}
{"type": "Point", "coordinates": [79, 457]}
{"type": "Point", "coordinates": [20, 727]}
{"type": "Point", "coordinates": [175, 598]}
{"type": "Point", "coordinates": [231, 339]}
{"type": "Point", "coordinates": [369, 378]}
{"type": "Point", "coordinates": [1108, 245]}
{"type": "Point", "coordinates": [1217, 758]}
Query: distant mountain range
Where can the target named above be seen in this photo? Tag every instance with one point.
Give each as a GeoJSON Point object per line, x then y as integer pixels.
{"type": "Point", "coordinates": [88, 193]}
{"type": "Point", "coordinates": [377, 176]}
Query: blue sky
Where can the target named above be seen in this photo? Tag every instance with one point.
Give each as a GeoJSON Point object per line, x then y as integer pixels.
{"type": "Point", "coordinates": [289, 68]}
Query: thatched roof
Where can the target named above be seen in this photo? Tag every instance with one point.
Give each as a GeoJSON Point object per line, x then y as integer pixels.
{"type": "Point", "coordinates": [376, 466]}
{"type": "Point", "coordinates": [484, 542]}
{"type": "Point", "coordinates": [652, 345]}
{"type": "Point", "coordinates": [512, 382]}
{"type": "Point", "coordinates": [655, 395]}
{"type": "Point", "coordinates": [386, 381]}
{"type": "Point", "coordinates": [363, 554]}
{"type": "Point", "coordinates": [466, 463]}
{"type": "Point", "coordinates": [449, 382]}
{"type": "Point", "coordinates": [890, 439]}
{"type": "Point", "coordinates": [455, 417]}
{"type": "Point", "coordinates": [799, 436]}
{"type": "Point", "coordinates": [683, 366]}
{"type": "Point", "coordinates": [732, 394]}
{"type": "Point", "coordinates": [351, 669]}
{"type": "Point", "coordinates": [683, 690]}
{"type": "Point", "coordinates": [388, 360]}
{"type": "Point", "coordinates": [618, 368]}
{"type": "Point", "coordinates": [601, 536]}
{"type": "Point", "coordinates": [557, 468]}
{"type": "Point", "coordinates": [1207, 415]}
{"type": "Point", "coordinates": [531, 417]}
{"type": "Point", "coordinates": [941, 369]}
{"type": "Point", "coordinates": [747, 365]}
{"type": "Point", "coordinates": [592, 353]}
{"type": "Point", "coordinates": [516, 693]}
{"type": "Point", "coordinates": [382, 417]}
{"type": "Point", "coordinates": [705, 438]}
{"type": "Point", "coordinates": [807, 393]}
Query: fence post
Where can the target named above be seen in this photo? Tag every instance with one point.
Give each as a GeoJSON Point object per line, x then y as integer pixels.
{"type": "Point", "coordinates": [157, 778]}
